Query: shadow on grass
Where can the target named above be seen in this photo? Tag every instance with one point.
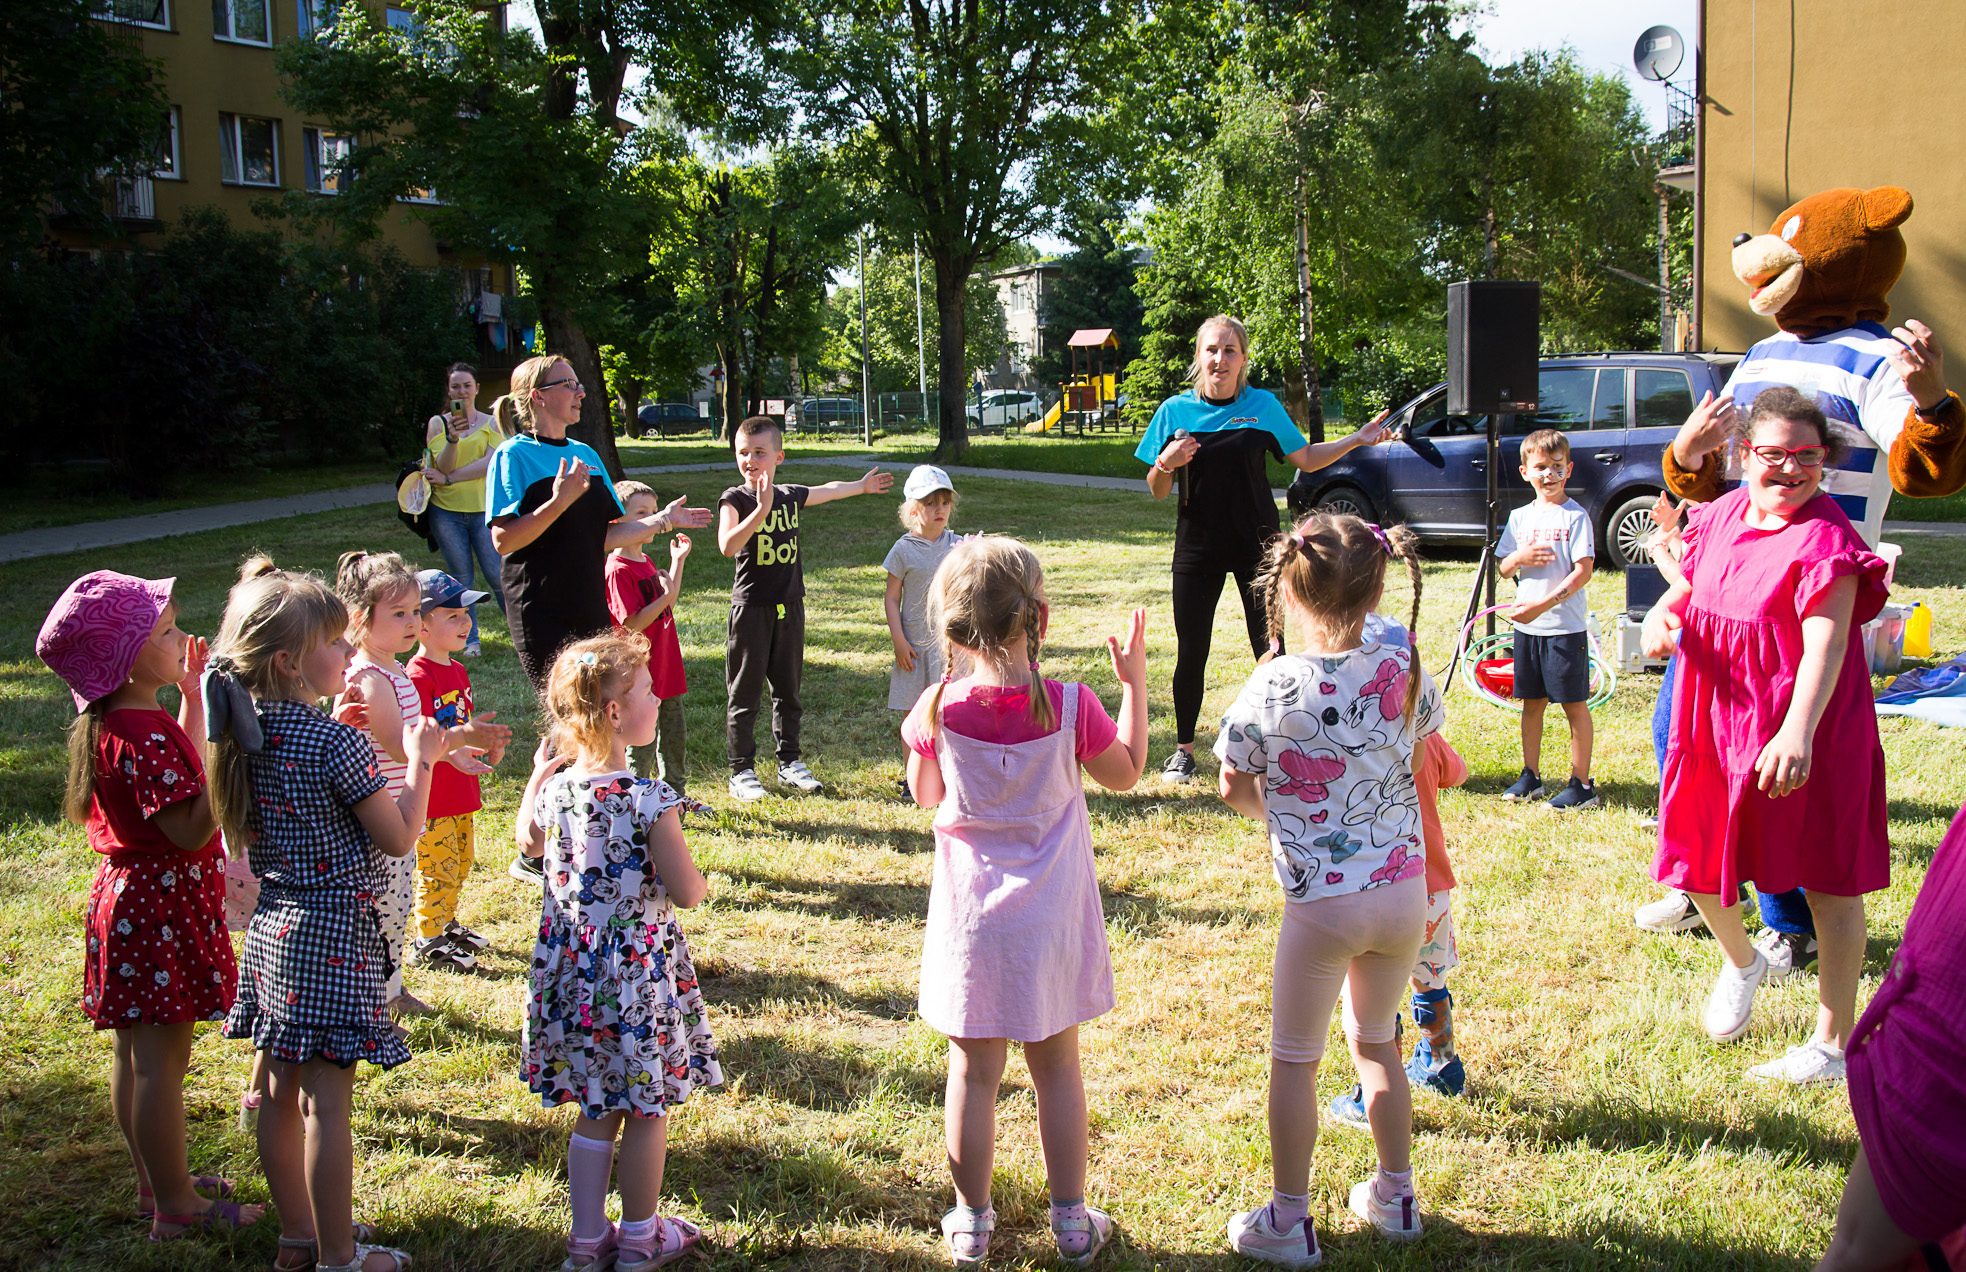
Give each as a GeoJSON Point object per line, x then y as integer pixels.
{"type": "Point", "coordinates": [739, 987]}
{"type": "Point", "coordinates": [855, 900]}
{"type": "Point", "coordinates": [1148, 916]}
{"type": "Point", "coordinates": [1618, 1126]}
{"type": "Point", "coordinates": [829, 1078]}
{"type": "Point", "coordinates": [1446, 1245]}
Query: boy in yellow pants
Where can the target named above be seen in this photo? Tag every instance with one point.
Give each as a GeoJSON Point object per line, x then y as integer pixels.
{"type": "Point", "coordinates": [446, 848]}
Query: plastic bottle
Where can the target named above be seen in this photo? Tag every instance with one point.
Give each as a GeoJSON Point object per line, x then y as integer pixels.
{"type": "Point", "coordinates": [1918, 632]}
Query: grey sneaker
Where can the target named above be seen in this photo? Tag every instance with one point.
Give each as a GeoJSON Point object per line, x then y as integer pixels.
{"type": "Point", "coordinates": [746, 786]}
{"type": "Point", "coordinates": [797, 774]}
{"type": "Point", "coordinates": [1576, 795]}
{"type": "Point", "coordinates": [1179, 769]}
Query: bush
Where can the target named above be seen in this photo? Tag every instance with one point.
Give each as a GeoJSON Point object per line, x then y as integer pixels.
{"type": "Point", "coordinates": [219, 347]}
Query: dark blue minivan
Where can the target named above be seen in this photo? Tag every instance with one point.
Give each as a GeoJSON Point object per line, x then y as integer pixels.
{"type": "Point", "coordinates": [1620, 411]}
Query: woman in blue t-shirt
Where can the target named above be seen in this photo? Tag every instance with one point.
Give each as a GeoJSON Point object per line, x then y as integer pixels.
{"type": "Point", "coordinates": [1227, 515]}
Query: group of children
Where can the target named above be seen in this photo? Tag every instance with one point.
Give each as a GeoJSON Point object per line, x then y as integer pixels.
{"type": "Point", "coordinates": [1336, 747]}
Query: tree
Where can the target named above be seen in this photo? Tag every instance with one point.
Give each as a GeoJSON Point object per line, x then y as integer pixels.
{"type": "Point", "coordinates": [77, 102]}
{"type": "Point", "coordinates": [894, 361]}
{"type": "Point", "coordinates": [965, 114]}
{"type": "Point", "coordinates": [1095, 288]}
{"type": "Point", "coordinates": [527, 146]}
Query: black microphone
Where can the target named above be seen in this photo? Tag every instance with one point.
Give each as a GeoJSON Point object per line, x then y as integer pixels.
{"type": "Point", "coordinates": [1181, 473]}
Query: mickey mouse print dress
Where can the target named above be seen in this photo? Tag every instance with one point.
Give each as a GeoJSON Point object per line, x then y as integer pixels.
{"type": "Point", "coordinates": [1329, 737]}
{"type": "Point", "coordinates": [616, 1020]}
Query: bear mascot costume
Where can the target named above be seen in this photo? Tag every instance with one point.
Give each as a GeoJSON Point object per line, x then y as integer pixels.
{"type": "Point", "coordinates": [1822, 272]}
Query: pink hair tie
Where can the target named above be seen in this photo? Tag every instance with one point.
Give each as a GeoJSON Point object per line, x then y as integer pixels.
{"type": "Point", "coordinates": [1380, 535]}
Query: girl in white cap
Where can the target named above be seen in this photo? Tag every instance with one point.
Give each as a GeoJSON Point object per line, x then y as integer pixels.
{"type": "Point", "coordinates": [929, 501]}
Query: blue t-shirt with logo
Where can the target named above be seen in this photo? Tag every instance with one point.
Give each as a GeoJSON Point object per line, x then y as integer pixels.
{"type": "Point", "coordinates": [1229, 516]}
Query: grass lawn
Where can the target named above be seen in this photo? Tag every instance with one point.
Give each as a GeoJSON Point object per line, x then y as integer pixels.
{"type": "Point", "coordinates": [69, 500]}
{"type": "Point", "coordinates": [1601, 1129]}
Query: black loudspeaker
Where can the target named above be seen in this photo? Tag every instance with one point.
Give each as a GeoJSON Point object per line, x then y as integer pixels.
{"type": "Point", "coordinates": [1494, 340]}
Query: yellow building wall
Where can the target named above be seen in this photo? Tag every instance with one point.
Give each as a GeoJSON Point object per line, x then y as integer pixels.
{"type": "Point", "coordinates": [1808, 95]}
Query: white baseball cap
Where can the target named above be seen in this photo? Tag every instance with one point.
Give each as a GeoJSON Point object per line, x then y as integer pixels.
{"type": "Point", "coordinates": [925, 481]}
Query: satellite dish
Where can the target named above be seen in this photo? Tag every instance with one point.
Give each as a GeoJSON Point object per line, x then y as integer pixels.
{"type": "Point", "coordinates": [1658, 53]}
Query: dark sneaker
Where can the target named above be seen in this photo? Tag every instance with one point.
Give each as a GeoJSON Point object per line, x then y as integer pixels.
{"type": "Point", "coordinates": [1526, 787]}
{"type": "Point", "coordinates": [1575, 795]}
{"type": "Point", "coordinates": [1426, 1072]}
{"type": "Point", "coordinates": [460, 935]}
{"type": "Point", "coordinates": [1179, 769]}
{"type": "Point", "coordinates": [442, 953]}
{"type": "Point", "coordinates": [906, 793]}
{"type": "Point", "coordinates": [527, 870]}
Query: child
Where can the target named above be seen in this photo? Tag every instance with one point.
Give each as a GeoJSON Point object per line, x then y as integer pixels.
{"type": "Point", "coordinates": [616, 1022]}
{"type": "Point", "coordinates": [1547, 549]}
{"type": "Point", "coordinates": [1016, 941]}
{"type": "Point", "coordinates": [301, 795]}
{"type": "Point", "coordinates": [448, 845]}
{"type": "Point", "coordinates": [642, 599]}
{"type": "Point", "coordinates": [1772, 687]}
{"type": "Point", "coordinates": [758, 523]}
{"type": "Point", "coordinates": [1436, 1062]}
{"type": "Point", "coordinates": [158, 957]}
{"type": "Point", "coordinates": [385, 616]}
{"type": "Point", "coordinates": [911, 563]}
{"type": "Point", "coordinates": [1319, 745]}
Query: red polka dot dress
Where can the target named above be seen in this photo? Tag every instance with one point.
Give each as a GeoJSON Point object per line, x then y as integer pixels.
{"type": "Point", "coordinates": [158, 951]}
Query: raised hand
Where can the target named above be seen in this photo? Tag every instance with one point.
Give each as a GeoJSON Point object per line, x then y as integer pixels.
{"type": "Point", "coordinates": [1705, 430]}
{"type": "Point", "coordinates": [545, 760]}
{"type": "Point", "coordinates": [569, 483]}
{"type": "Point", "coordinates": [1665, 513]}
{"type": "Point", "coordinates": [196, 654]}
{"type": "Point", "coordinates": [424, 742]}
{"type": "Point", "coordinates": [1920, 363]}
{"type": "Point", "coordinates": [1130, 659]}
{"type": "Point", "coordinates": [1375, 430]}
{"type": "Point", "coordinates": [679, 550]}
{"type": "Point", "coordinates": [875, 481]}
{"type": "Point", "coordinates": [677, 516]}
{"type": "Point", "coordinates": [761, 488]}
{"type": "Point", "coordinates": [352, 709]}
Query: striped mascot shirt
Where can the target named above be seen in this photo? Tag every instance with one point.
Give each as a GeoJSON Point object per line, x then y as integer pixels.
{"type": "Point", "coordinates": [1850, 375]}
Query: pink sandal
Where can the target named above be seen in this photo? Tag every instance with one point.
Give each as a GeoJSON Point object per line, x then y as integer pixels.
{"type": "Point", "coordinates": [679, 1237]}
{"type": "Point", "coordinates": [223, 1214]}
{"type": "Point", "coordinates": [591, 1254]}
{"type": "Point", "coordinates": [203, 1183]}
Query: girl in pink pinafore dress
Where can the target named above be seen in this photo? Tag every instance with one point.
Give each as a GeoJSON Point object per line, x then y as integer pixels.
{"type": "Point", "coordinates": [1774, 773]}
{"type": "Point", "coordinates": [1016, 942]}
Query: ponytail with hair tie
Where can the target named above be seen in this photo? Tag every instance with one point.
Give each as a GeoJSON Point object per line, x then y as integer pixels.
{"type": "Point", "coordinates": [229, 706]}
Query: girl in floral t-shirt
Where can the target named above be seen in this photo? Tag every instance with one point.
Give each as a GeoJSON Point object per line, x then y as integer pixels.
{"type": "Point", "coordinates": [1319, 745]}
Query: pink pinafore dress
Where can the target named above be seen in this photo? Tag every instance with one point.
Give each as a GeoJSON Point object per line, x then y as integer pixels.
{"type": "Point", "coordinates": [1016, 942]}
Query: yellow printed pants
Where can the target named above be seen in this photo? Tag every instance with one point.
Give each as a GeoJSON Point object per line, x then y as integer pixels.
{"type": "Point", "coordinates": [443, 861]}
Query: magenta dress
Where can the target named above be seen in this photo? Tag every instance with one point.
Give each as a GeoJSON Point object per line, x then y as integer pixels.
{"type": "Point", "coordinates": [1738, 657]}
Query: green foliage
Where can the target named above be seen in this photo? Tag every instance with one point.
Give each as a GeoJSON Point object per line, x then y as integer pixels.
{"type": "Point", "coordinates": [76, 101]}
{"type": "Point", "coordinates": [198, 355]}
{"type": "Point", "coordinates": [1094, 288]}
{"type": "Point", "coordinates": [895, 367]}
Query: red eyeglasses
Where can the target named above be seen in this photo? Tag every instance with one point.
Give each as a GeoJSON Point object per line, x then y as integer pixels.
{"type": "Point", "coordinates": [1804, 456]}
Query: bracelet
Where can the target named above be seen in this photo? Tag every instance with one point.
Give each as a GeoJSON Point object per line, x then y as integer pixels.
{"type": "Point", "coordinates": [1931, 415]}
{"type": "Point", "coordinates": [1160, 467]}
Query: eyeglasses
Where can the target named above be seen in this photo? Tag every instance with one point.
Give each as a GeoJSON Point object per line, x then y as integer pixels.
{"type": "Point", "coordinates": [556, 384]}
{"type": "Point", "coordinates": [1804, 456]}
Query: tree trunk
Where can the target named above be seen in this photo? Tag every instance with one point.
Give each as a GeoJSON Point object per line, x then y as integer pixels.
{"type": "Point", "coordinates": [732, 407]}
{"type": "Point", "coordinates": [568, 339]}
{"type": "Point", "coordinates": [952, 423]}
{"type": "Point", "coordinates": [1491, 237]}
{"type": "Point", "coordinates": [1310, 409]}
{"type": "Point", "coordinates": [630, 398]}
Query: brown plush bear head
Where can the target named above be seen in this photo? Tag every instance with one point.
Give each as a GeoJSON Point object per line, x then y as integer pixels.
{"type": "Point", "coordinates": [1828, 262]}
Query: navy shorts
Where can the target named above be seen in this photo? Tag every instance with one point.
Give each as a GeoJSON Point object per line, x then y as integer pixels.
{"type": "Point", "coordinates": [1554, 667]}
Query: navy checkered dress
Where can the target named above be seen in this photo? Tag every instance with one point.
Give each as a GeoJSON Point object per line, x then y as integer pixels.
{"type": "Point", "coordinates": [311, 981]}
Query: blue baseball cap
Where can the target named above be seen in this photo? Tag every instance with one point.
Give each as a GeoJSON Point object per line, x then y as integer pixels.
{"type": "Point", "coordinates": [442, 591]}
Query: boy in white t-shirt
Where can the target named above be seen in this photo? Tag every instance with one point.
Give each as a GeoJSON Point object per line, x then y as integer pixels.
{"type": "Point", "coordinates": [1547, 549]}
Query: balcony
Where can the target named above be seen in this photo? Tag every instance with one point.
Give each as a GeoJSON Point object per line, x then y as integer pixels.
{"type": "Point", "coordinates": [136, 202]}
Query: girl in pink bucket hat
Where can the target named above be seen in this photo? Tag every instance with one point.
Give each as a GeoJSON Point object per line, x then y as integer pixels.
{"type": "Point", "coordinates": [158, 956]}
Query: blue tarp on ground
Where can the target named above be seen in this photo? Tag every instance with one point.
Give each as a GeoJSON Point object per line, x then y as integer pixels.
{"type": "Point", "coordinates": [1937, 694]}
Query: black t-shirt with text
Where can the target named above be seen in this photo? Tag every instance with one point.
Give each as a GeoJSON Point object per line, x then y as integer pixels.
{"type": "Point", "coordinates": [1230, 516]}
{"type": "Point", "coordinates": [768, 569]}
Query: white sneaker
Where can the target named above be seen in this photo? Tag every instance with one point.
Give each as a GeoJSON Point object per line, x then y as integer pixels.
{"type": "Point", "coordinates": [797, 774]}
{"type": "Point", "coordinates": [1673, 912]}
{"type": "Point", "coordinates": [1253, 1234]}
{"type": "Point", "coordinates": [1731, 1000]}
{"type": "Point", "coordinates": [1809, 1063]}
{"type": "Point", "coordinates": [746, 786]}
{"type": "Point", "coordinates": [1780, 949]}
{"type": "Point", "coordinates": [1397, 1220]}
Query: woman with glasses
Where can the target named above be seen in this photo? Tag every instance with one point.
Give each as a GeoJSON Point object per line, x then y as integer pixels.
{"type": "Point", "coordinates": [1774, 772]}
{"type": "Point", "coordinates": [553, 516]}
{"type": "Point", "coordinates": [457, 452]}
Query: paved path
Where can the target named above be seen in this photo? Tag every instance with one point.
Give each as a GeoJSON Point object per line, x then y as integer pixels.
{"type": "Point", "coordinates": [56, 540]}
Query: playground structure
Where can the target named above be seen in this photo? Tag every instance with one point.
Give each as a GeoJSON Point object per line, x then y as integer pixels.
{"type": "Point", "coordinates": [1089, 397]}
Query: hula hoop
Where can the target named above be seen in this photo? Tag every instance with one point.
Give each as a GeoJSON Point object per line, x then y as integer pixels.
{"type": "Point", "coordinates": [1471, 653]}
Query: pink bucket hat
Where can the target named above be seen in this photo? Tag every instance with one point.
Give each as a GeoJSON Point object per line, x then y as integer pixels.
{"type": "Point", "coordinates": [96, 630]}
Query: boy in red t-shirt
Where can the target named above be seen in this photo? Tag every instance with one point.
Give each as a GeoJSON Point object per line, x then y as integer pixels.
{"type": "Point", "coordinates": [445, 850]}
{"type": "Point", "coordinates": [642, 599]}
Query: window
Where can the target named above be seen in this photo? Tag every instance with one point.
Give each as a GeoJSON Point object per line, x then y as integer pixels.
{"type": "Point", "coordinates": [327, 160]}
{"type": "Point", "coordinates": [1609, 409]}
{"type": "Point", "coordinates": [420, 194]}
{"type": "Point", "coordinates": [243, 20]}
{"type": "Point", "coordinates": [1564, 395]}
{"type": "Point", "coordinates": [1664, 399]}
{"type": "Point", "coordinates": [400, 19]}
{"type": "Point", "coordinates": [1430, 419]}
{"type": "Point", "coordinates": [311, 16]}
{"type": "Point", "coordinates": [248, 150]}
{"type": "Point", "coordinates": [147, 13]}
{"type": "Point", "coordinates": [169, 162]}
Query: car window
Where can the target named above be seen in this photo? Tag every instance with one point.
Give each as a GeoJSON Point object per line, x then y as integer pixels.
{"type": "Point", "coordinates": [1608, 411]}
{"type": "Point", "coordinates": [1564, 397]}
{"type": "Point", "coordinates": [1430, 419]}
{"type": "Point", "coordinates": [1663, 399]}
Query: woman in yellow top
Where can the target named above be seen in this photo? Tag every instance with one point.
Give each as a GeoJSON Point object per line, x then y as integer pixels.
{"type": "Point", "coordinates": [457, 450]}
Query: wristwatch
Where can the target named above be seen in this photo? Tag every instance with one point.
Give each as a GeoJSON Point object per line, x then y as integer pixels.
{"type": "Point", "coordinates": [1931, 414]}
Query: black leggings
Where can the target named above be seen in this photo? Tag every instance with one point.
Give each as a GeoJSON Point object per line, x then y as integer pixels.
{"type": "Point", "coordinates": [1195, 598]}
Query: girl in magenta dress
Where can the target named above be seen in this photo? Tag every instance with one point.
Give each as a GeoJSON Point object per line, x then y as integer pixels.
{"type": "Point", "coordinates": [1016, 940]}
{"type": "Point", "coordinates": [1774, 774]}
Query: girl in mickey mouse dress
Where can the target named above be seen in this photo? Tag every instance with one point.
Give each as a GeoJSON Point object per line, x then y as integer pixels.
{"type": "Point", "coordinates": [616, 1023]}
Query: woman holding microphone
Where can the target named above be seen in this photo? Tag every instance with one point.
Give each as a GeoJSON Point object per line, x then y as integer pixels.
{"type": "Point", "coordinates": [1211, 441]}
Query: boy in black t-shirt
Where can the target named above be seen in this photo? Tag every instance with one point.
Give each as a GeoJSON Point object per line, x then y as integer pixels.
{"type": "Point", "coordinates": [758, 523]}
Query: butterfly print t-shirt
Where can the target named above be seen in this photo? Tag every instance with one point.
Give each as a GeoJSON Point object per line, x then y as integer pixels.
{"type": "Point", "coordinates": [1329, 737]}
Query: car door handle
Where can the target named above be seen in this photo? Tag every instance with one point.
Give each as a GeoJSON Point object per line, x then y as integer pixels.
{"type": "Point", "coordinates": [1477, 463]}
{"type": "Point", "coordinates": [1608, 457]}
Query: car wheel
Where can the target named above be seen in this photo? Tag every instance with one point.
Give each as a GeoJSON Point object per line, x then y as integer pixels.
{"type": "Point", "coordinates": [1347, 499]}
{"type": "Point", "coordinates": [1625, 529]}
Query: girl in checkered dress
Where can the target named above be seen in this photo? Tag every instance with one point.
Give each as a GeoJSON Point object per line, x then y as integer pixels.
{"type": "Point", "coordinates": [301, 793]}
{"type": "Point", "coordinates": [616, 1023]}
